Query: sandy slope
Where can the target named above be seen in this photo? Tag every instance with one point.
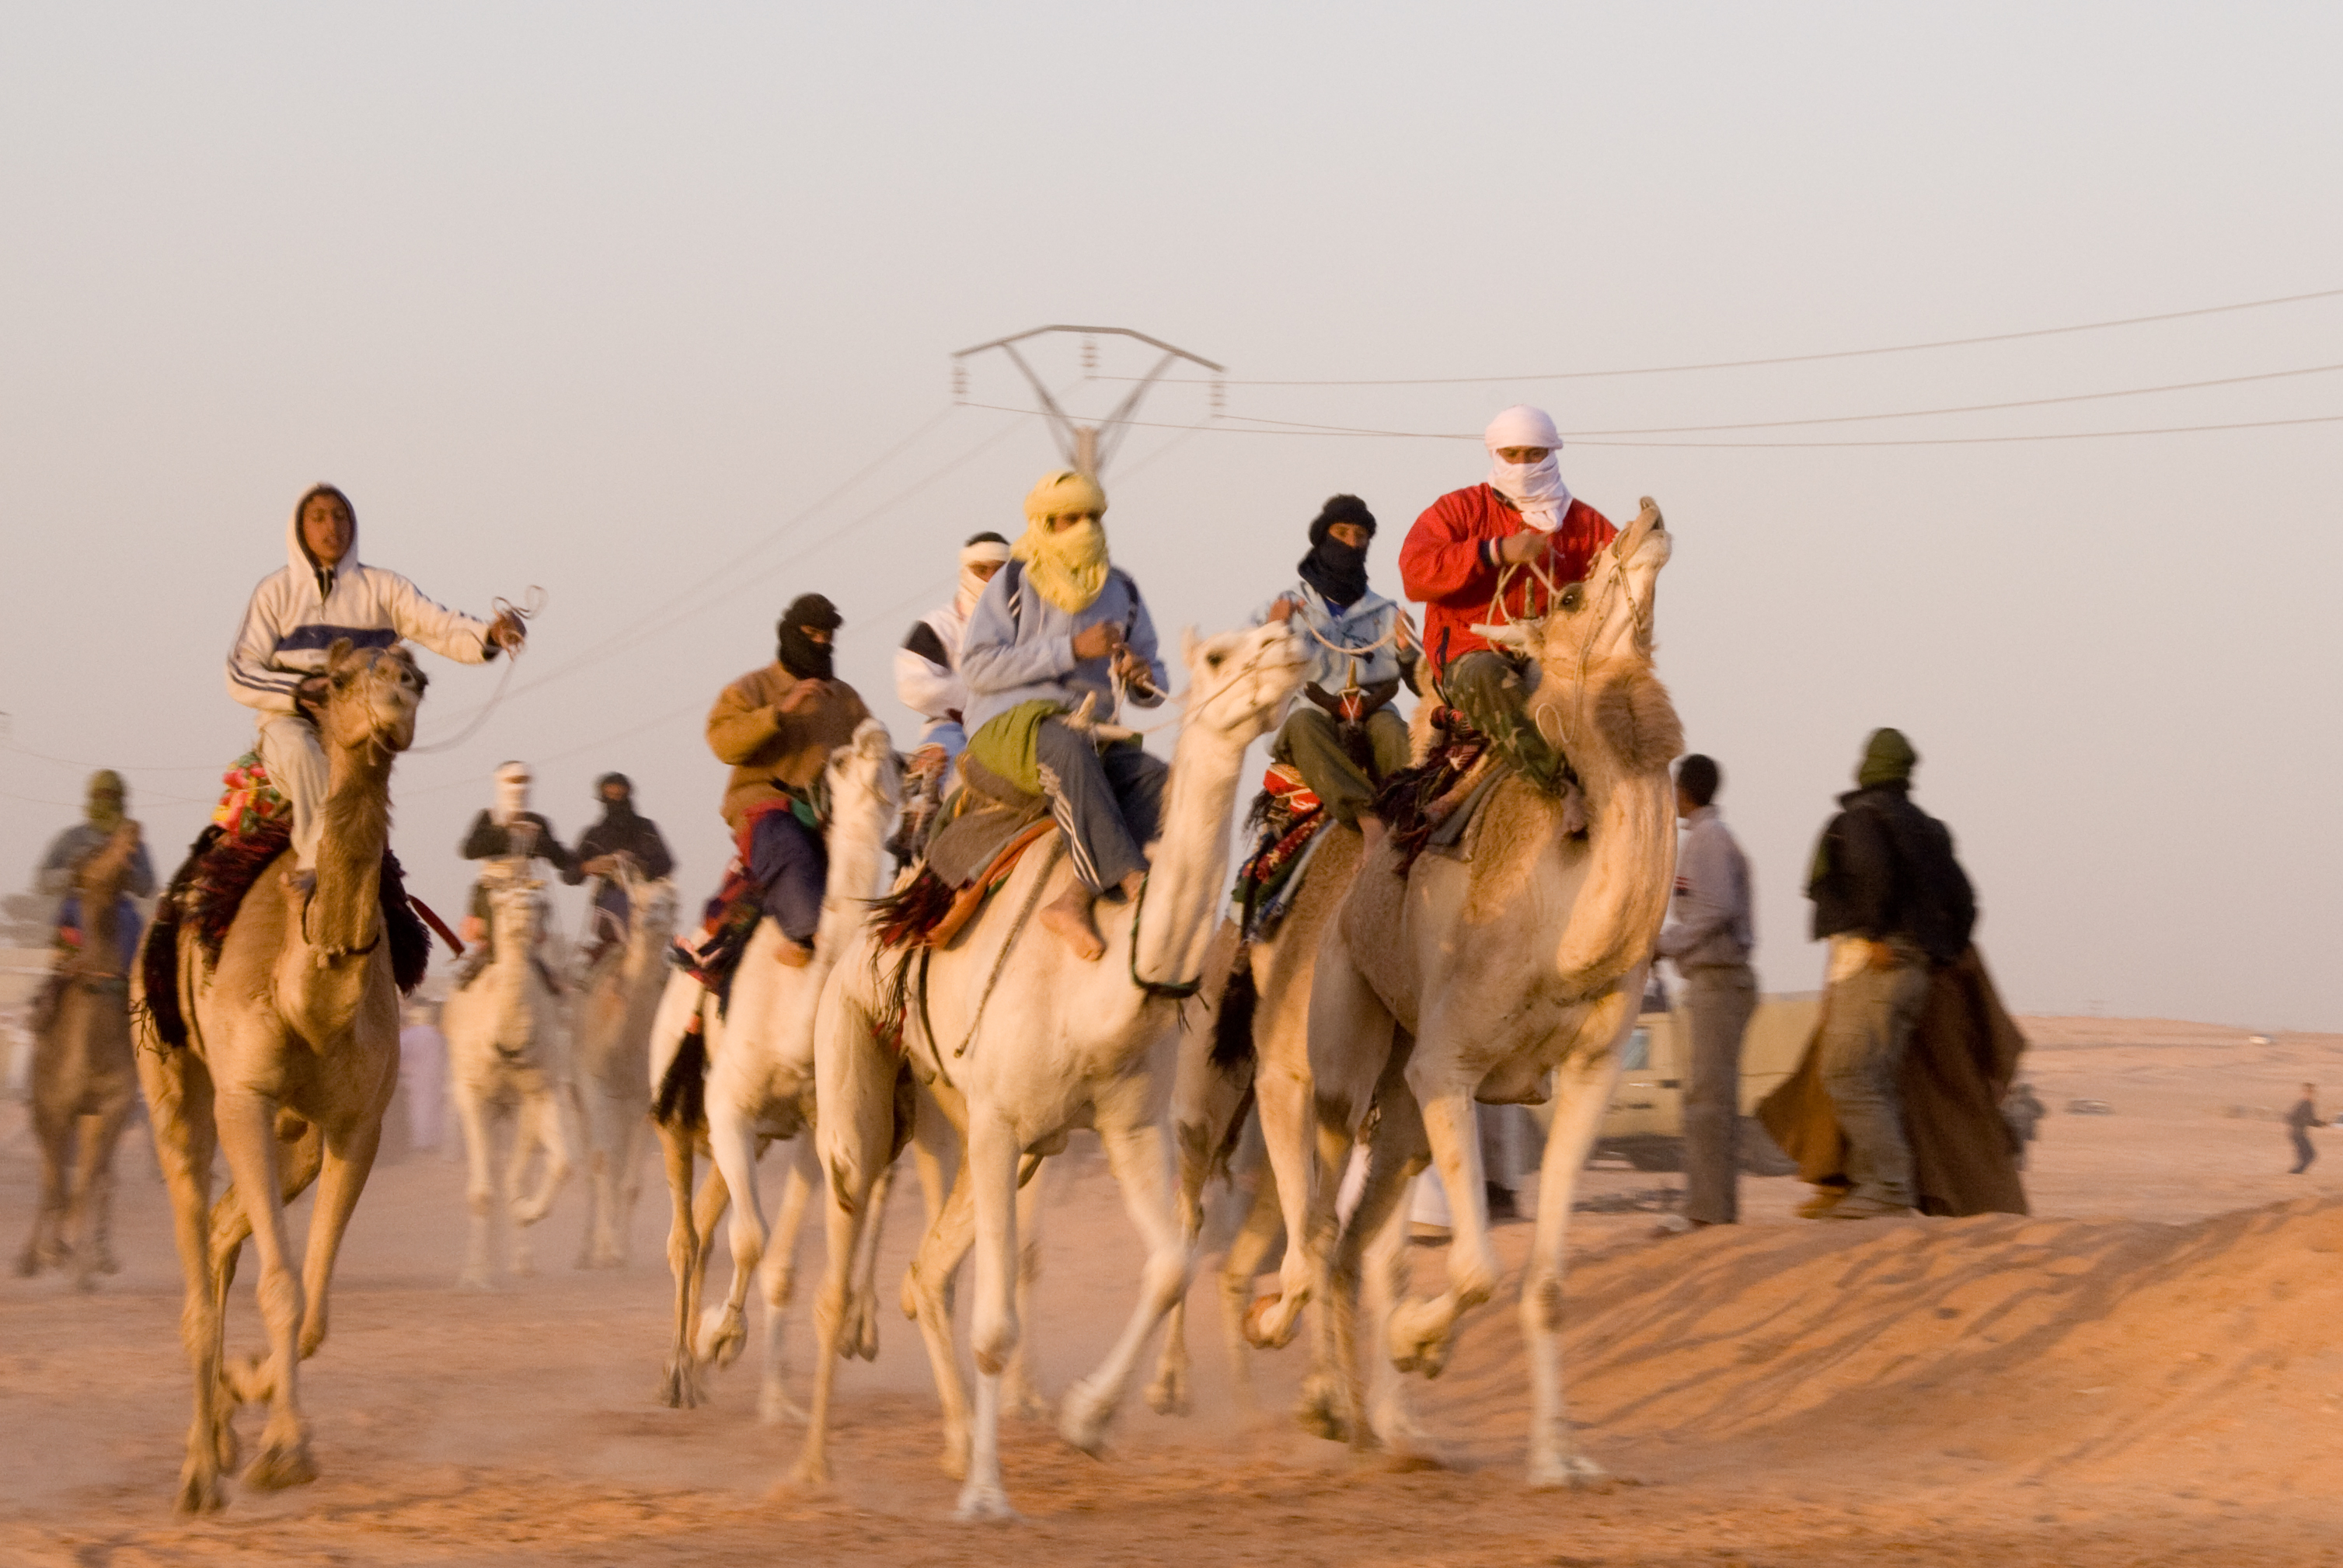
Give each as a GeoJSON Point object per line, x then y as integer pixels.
{"type": "Point", "coordinates": [2144, 1373]}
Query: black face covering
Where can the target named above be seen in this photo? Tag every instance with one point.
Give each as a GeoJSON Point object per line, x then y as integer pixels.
{"type": "Point", "coordinates": [1337, 570]}
{"type": "Point", "coordinates": [799, 654]}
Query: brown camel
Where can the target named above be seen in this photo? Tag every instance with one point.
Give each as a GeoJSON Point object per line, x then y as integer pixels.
{"type": "Point", "coordinates": [84, 1080]}
{"type": "Point", "coordinates": [292, 1056]}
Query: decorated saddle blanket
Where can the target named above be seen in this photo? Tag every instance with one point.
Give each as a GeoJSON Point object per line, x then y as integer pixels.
{"type": "Point", "coordinates": [1290, 822]}
{"type": "Point", "coordinates": [252, 825]}
{"type": "Point", "coordinates": [1430, 804]}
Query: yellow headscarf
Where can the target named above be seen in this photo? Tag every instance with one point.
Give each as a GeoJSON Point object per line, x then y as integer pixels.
{"type": "Point", "coordinates": [1068, 569]}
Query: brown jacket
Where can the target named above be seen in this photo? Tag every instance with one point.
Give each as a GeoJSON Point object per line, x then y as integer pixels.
{"type": "Point", "coordinates": [768, 748]}
{"type": "Point", "coordinates": [1962, 1057]}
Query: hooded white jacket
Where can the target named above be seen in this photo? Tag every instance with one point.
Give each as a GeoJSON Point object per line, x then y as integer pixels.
{"type": "Point", "coordinates": [296, 614]}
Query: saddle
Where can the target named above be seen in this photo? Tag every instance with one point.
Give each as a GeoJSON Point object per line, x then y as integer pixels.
{"type": "Point", "coordinates": [222, 866]}
{"type": "Point", "coordinates": [982, 830]}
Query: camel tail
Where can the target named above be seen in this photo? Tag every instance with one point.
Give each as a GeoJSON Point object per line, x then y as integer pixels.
{"type": "Point", "coordinates": [683, 1100]}
{"type": "Point", "coordinates": [1233, 1042]}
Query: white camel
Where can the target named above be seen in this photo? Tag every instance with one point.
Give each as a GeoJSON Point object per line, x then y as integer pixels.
{"type": "Point", "coordinates": [1488, 977]}
{"type": "Point", "coordinates": [509, 1063]}
{"type": "Point", "coordinates": [611, 1042]}
{"type": "Point", "coordinates": [1019, 1041]}
{"type": "Point", "coordinates": [758, 1079]}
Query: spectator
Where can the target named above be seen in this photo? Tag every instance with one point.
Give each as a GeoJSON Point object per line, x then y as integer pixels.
{"type": "Point", "coordinates": [2299, 1123]}
{"type": "Point", "coordinates": [1708, 939]}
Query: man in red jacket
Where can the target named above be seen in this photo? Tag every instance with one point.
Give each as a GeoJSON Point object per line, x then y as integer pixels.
{"type": "Point", "coordinates": [1498, 552]}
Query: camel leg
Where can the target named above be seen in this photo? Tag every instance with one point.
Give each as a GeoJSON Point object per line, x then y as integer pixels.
{"type": "Point", "coordinates": [93, 1232]}
{"type": "Point", "coordinates": [732, 1140]}
{"type": "Point", "coordinates": [1582, 1090]}
{"type": "Point", "coordinates": [248, 1125]}
{"type": "Point", "coordinates": [346, 1160]}
{"type": "Point", "coordinates": [928, 1301]}
{"type": "Point", "coordinates": [776, 1276]}
{"type": "Point", "coordinates": [1423, 1330]}
{"type": "Point", "coordinates": [854, 1085]}
{"type": "Point", "coordinates": [686, 1256]}
{"type": "Point", "coordinates": [1262, 1229]}
{"type": "Point", "coordinates": [178, 1089]}
{"type": "Point", "coordinates": [626, 1160]}
{"type": "Point", "coordinates": [991, 1173]}
{"type": "Point", "coordinates": [1136, 1153]}
{"type": "Point", "coordinates": [594, 1135]}
{"type": "Point", "coordinates": [1288, 1125]}
{"type": "Point", "coordinates": [53, 1130]}
{"type": "Point", "coordinates": [542, 1126]}
{"type": "Point", "coordinates": [861, 1335]}
{"type": "Point", "coordinates": [1390, 1411]}
{"type": "Point", "coordinates": [480, 1188]}
{"type": "Point", "coordinates": [1020, 1395]}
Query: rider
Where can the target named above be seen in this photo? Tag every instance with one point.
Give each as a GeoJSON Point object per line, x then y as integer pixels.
{"type": "Point", "coordinates": [926, 680]}
{"type": "Point", "coordinates": [1352, 690]}
{"type": "Point", "coordinates": [776, 726]}
{"type": "Point", "coordinates": [324, 594]}
{"type": "Point", "coordinates": [508, 828]}
{"type": "Point", "coordinates": [102, 817]}
{"type": "Point", "coordinates": [1500, 551]}
{"type": "Point", "coordinates": [620, 833]}
{"type": "Point", "coordinates": [1058, 624]}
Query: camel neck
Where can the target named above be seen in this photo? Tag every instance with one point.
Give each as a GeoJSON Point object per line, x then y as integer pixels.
{"type": "Point", "coordinates": [858, 833]}
{"type": "Point", "coordinates": [1188, 877]}
{"type": "Point", "coordinates": [345, 913]}
{"type": "Point", "coordinates": [1630, 869]}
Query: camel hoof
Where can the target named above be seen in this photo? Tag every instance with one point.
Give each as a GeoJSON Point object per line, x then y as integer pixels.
{"type": "Point", "coordinates": [1572, 1474]}
{"type": "Point", "coordinates": [775, 1408]}
{"type": "Point", "coordinates": [1320, 1411]}
{"type": "Point", "coordinates": [678, 1389]}
{"type": "Point", "coordinates": [722, 1345]}
{"type": "Point", "coordinates": [200, 1492]}
{"type": "Point", "coordinates": [1083, 1417]}
{"type": "Point", "coordinates": [1167, 1395]}
{"type": "Point", "coordinates": [1419, 1340]}
{"type": "Point", "coordinates": [1267, 1326]}
{"type": "Point", "coordinates": [281, 1465]}
{"type": "Point", "coordinates": [985, 1503]}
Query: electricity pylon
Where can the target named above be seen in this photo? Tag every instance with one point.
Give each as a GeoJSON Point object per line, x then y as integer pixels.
{"type": "Point", "coordinates": [1081, 444]}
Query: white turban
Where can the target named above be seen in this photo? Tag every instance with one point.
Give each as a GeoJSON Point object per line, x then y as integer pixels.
{"type": "Point", "coordinates": [1535, 487]}
{"type": "Point", "coordinates": [512, 794]}
{"type": "Point", "coordinates": [980, 551]}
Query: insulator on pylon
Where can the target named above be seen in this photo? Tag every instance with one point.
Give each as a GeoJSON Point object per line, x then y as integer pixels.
{"type": "Point", "coordinates": [960, 380]}
{"type": "Point", "coordinates": [1220, 397]}
{"type": "Point", "coordinates": [1090, 356]}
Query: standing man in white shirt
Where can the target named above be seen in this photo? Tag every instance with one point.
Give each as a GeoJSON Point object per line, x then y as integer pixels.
{"type": "Point", "coordinates": [1709, 935]}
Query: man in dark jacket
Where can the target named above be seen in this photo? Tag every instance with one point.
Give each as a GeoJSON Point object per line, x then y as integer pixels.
{"type": "Point", "coordinates": [622, 831]}
{"type": "Point", "coordinates": [1878, 900]}
{"type": "Point", "coordinates": [2299, 1123]}
{"type": "Point", "coordinates": [508, 828]}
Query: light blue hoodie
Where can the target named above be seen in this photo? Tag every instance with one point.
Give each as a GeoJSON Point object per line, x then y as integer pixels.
{"type": "Point", "coordinates": [1020, 646]}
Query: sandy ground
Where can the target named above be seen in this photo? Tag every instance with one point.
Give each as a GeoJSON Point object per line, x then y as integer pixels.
{"type": "Point", "coordinates": [2146, 1371]}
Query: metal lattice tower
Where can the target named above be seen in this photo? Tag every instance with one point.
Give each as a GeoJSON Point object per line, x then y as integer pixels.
{"type": "Point", "coordinates": [1086, 447]}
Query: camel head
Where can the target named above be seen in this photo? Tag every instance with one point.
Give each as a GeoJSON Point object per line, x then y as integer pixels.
{"type": "Point", "coordinates": [371, 698]}
{"type": "Point", "coordinates": [99, 877]}
{"type": "Point", "coordinates": [864, 779]}
{"type": "Point", "coordinates": [1239, 683]}
{"type": "Point", "coordinates": [1595, 652]}
{"type": "Point", "coordinates": [513, 895]}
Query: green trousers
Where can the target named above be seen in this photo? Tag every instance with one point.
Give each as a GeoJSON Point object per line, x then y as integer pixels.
{"type": "Point", "coordinates": [1312, 740]}
{"type": "Point", "coordinates": [1492, 695]}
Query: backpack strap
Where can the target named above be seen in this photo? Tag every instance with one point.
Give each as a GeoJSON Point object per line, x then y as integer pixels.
{"type": "Point", "coordinates": [1012, 573]}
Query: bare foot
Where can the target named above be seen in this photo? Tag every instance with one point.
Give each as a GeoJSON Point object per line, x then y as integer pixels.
{"type": "Point", "coordinates": [793, 955]}
{"type": "Point", "coordinates": [1067, 917]}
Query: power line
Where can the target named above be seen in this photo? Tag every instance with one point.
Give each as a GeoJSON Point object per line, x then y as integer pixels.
{"type": "Point", "coordinates": [1299, 429]}
{"type": "Point", "coordinates": [1784, 358]}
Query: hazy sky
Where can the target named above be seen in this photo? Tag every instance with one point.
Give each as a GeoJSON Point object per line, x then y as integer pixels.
{"type": "Point", "coordinates": [612, 300]}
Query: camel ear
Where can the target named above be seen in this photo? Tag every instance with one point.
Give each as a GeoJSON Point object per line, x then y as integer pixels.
{"type": "Point", "coordinates": [338, 654]}
{"type": "Point", "coordinates": [1187, 645]}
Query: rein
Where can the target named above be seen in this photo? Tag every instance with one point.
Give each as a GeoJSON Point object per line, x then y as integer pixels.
{"type": "Point", "coordinates": [531, 604]}
{"type": "Point", "coordinates": [1159, 990]}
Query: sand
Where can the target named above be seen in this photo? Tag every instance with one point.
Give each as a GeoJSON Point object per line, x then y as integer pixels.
{"type": "Point", "coordinates": [2146, 1371]}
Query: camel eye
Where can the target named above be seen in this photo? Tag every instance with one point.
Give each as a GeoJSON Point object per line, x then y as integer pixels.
{"type": "Point", "coordinates": [1214, 659]}
{"type": "Point", "coordinates": [1574, 597]}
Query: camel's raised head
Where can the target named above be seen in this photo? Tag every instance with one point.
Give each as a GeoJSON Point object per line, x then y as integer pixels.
{"type": "Point", "coordinates": [866, 774]}
{"type": "Point", "coordinates": [1240, 682]}
{"type": "Point", "coordinates": [1596, 647]}
{"type": "Point", "coordinates": [103, 869]}
{"type": "Point", "coordinates": [372, 695]}
{"type": "Point", "coordinates": [1608, 617]}
{"type": "Point", "coordinates": [514, 893]}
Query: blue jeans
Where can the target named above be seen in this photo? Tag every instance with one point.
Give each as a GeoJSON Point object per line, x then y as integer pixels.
{"type": "Point", "coordinates": [1108, 803]}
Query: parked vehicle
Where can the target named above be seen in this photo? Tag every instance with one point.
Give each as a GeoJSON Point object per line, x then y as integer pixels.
{"type": "Point", "coordinates": [1645, 1124]}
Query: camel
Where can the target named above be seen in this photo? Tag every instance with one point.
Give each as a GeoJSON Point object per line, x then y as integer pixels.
{"type": "Point", "coordinates": [508, 1060]}
{"type": "Point", "coordinates": [610, 1046]}
{"type": "Point", "coordinates": [1072, 1042]}
{"type": "Point", "coordinates": [1480, 978]}
{"type": "Point", "coordinates": [85, 1082]}
{"type": "Point", "coordinates": [755, 1085]}
{"type": "Point", "coordinates": [292, 1055]}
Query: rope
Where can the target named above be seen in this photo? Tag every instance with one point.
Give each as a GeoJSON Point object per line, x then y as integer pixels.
{"type": "Point", "coordinates": [1000, 959]}
{"type": "Point", "coordinates": [533, 602]}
